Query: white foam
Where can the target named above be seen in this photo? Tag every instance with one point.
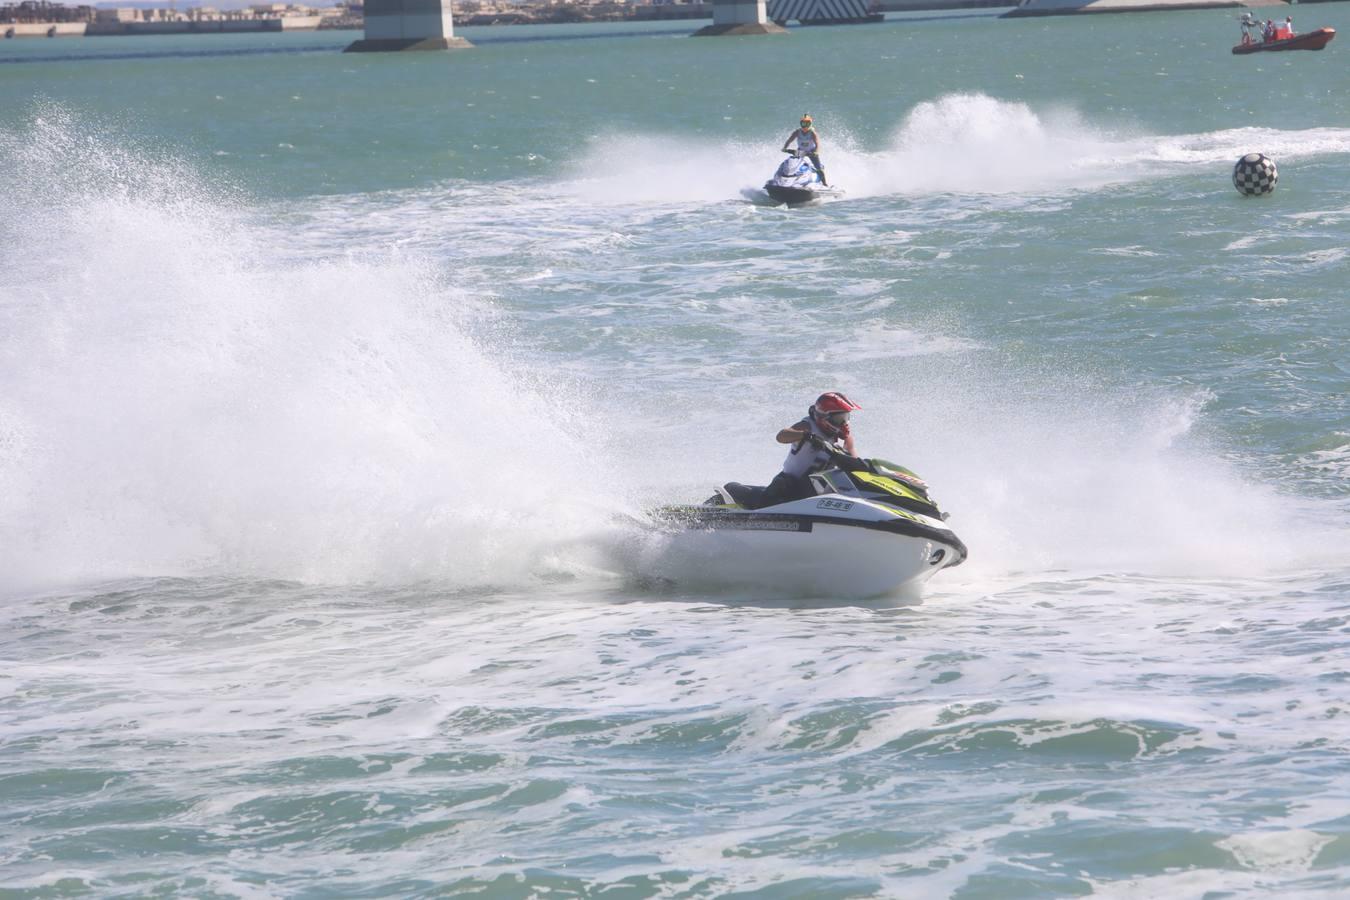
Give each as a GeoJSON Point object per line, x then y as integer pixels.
{"type": "Point", "coordinates": [235, 402]}
{"type": "Point", "coordinates": [1059, 471]}
{"type": "Point", "coordinates": [1285, 850]}
{"type": "Point", "coordinates": [961, 143]}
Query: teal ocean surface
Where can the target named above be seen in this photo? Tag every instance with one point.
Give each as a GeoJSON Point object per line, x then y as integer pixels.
{"type": "Point", "coordinates": [328, 384]}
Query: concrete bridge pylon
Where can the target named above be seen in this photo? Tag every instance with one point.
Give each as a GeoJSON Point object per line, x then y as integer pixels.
{"type": "Point", "coordinates": [408, 25]}
{"type": "Point", "coordinates": [740, 17]}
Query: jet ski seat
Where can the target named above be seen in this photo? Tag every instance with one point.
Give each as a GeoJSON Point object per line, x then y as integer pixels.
{"type": "Point", "coordinates": [746, 495]}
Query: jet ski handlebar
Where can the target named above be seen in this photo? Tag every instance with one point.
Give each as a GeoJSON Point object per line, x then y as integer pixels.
{"type": "Point", "coordinates": [845, 461]}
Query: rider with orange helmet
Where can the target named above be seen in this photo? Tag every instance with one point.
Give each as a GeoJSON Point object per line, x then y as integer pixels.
{"type": "Point", "coordinates": [828, 419]}
{"type": "Point", "coordinates": [815, 440]}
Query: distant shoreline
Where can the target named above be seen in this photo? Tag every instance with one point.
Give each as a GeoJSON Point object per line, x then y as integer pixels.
{"type": "Point", "coordinates": [580, 14]}
{"type": "Point", "coordinates": [536, 15]}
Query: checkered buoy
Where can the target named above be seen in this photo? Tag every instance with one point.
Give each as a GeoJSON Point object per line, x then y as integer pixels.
{"type": "Point", "coordinates": [1255, 174]}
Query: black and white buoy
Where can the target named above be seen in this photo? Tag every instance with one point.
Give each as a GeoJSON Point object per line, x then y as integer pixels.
{"type": "Point", "coordinates": [1255, 174]}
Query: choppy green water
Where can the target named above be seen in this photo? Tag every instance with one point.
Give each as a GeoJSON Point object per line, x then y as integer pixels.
{"type": "Point", "coordinates": [325, 377]}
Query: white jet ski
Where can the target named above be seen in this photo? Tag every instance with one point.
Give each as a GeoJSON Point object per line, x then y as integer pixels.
{"type": "Point", "coordinates": [866, 532]}
{"type": "Point", "coordinates": [797, 181]}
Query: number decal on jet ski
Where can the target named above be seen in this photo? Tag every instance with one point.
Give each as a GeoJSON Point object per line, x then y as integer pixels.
{"type": "Point", "coordinates": [834, 504]}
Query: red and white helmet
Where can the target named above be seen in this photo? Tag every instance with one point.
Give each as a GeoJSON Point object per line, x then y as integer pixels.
{"type": "Point", "coordinates": [831, 412]}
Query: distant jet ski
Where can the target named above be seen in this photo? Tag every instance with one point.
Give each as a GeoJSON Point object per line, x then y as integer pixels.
{"type": "Point", "coordinates": [797, 181]}
{"type": "Point", "coordinates": [869, 531]}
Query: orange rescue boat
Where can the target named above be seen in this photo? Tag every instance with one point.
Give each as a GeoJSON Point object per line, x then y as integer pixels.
{"type": "Point", "coordinates": [1312, 40]}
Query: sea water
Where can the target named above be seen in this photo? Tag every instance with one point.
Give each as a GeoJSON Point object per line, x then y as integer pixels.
{"type": "Point", "coordinates": [328, 384]}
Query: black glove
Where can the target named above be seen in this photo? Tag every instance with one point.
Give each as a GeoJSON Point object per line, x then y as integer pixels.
{"type": "Point", "coordinates": [852, 463]}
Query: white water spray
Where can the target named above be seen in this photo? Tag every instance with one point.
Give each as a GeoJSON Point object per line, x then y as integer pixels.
{"type": "Point", "coordinates": [179, 401]}
{"type": "Point", "coordinates": [952, 144]}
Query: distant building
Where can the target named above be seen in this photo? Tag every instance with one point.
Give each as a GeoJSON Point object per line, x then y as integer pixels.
{"type": "Point", "coordinates": [811, 12]}
{"type": "Point", "coordinates": [118, 14]}
{"type": "Point", "coordinates": [35, 11]}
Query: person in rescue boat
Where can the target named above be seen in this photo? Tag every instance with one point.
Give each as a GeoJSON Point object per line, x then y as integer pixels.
{"type": "Point", "coordinates": [815, 442]}
{"type": "Point", "coordinates": [1248, 24]}
{"type": "Point", "coordinates": [808, 142]}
